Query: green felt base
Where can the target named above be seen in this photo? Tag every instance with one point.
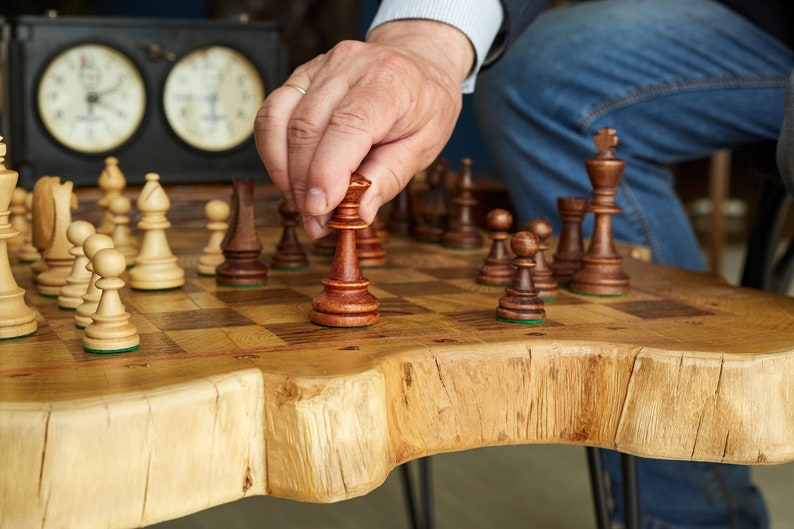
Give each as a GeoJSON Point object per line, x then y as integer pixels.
{"type": "Point", "coordinates": [17, 337]}
{"type": "Point", "coordinates": [600, 295]}
{"type": "Point", "coordinates": [528, 322]}
{"type": "Point", "coordinates": [243, 287]}
{"type": "Point", "coordinates": [110, 351]}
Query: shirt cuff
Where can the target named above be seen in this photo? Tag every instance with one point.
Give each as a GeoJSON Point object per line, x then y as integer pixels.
{"type": "Point", "coordinates": [479, 20]}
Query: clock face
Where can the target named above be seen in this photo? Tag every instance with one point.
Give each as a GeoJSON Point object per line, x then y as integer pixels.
{"type": "Point", "coordinates": [211, 96]}
{"type": "Point", "coordinates": [91, 98]}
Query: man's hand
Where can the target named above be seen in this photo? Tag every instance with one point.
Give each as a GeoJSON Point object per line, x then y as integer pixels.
{"type": "Point", "coordinates": [384, 108]}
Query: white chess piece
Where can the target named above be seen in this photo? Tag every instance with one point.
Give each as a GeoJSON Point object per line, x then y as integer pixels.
{"type": "Point", "coordinates": [16, 318]}
{"type": "Point", "coordinates": [111, 330]}
{"type": "Point", "coordinates": [217, 213]}
{"type": "Point", "coordinates": [119, 208]}
{"type": "Point", "coordinates": [155, 266]}
{"type": "Point", "coordinates": [92, 244]}
{"type": "Point", "coordinates": [71, 294]}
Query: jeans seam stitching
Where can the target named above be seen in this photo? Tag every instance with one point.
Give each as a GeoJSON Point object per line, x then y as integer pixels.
{"type": "Point", "coordinates": [726, 495]}
{"type": "Point", "coordinates": [646, 92]}
{"type": "Point", "coordinates": [635, 211]}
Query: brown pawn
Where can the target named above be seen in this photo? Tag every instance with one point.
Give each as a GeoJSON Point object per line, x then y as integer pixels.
{"type": "Point", "coordinates": [434, 212]}
{"type": "Point", "coordinates": [401, 221]}
{"type": "Point", "coordinates": [345, 300]}
{"type": "Point", "coordinates": [463, 233]}
{"type": "Point", "coordinates": [370, 251]}
{"type": "Point", "coordinates": [570, 248]}
{"type": "Point", "coordinates": [290, 254]}
{"type": "Point", "coordinates": [541, 275]}
{"type": "Point", "coordinates": [325, 246]}
{"type": "Point", "coordinates": [521, 303]}
{"type": "Point", "coordinates": [241, 246]}
{"type": "Point", "coordinates": [602, 268]}
{"type": "Point", "coordinates": [497, 270]}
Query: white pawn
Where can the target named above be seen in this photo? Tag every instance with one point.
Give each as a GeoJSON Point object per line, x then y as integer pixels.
{"type": "Point", "coordinates": [112, 183]}
{"type": "Point", "coordinates": [28, 253]}
{"type": "Point", "coordinates": [18, 219]}
{"type": "Point", "coordinates": [92, 244]}
{"type": "Point", "coordinates": [110, 330]}
{"type": "Point", "coordinates": [217, 212]}
{"type": "Point", "coordinates": [71, 294]}
{"type": "Point", "coordinates": [119, 208]}
{"type": "Point", "coordinates": [155, 267]}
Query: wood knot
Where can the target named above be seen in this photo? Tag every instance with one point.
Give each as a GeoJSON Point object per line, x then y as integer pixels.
{"type": "Point", "coordinates": [248, 481]}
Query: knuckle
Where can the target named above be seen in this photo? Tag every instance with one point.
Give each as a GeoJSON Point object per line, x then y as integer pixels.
{"type": "Point", "coordinates": [302, 130]}
{"type": "Point", "coordinates": [349, 122]}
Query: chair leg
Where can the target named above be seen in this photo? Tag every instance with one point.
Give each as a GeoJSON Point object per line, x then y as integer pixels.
{"type": "Point", "coordinates": [419, 503]}
{"type": "Point", "coordinates": [784, 270]}
{"type": "Point", "coordinates": [764, 235]}
{"type": "Point", "coordinates": [426, 488]}
{"type": "Point", "coordinates": [598, 487]}
{"type": "Point", "coordinates": [631, 492]}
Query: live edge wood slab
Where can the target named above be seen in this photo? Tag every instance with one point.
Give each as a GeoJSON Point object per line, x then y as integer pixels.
{"type": "Point", "coordinates": [233, 392]}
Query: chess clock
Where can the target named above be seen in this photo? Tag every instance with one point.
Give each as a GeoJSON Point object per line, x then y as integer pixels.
{"type": "Point", "coordinates": [176, 97]}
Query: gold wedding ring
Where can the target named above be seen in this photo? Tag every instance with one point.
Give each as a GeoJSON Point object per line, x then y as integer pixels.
{"type": "Point", "coordinates": [296, 87]}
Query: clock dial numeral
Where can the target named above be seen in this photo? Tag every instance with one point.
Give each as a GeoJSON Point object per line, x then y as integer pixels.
{"type": "Point", "coordinates": [89, 86]}
{"type": "Point", "coordinates": [211, 97]}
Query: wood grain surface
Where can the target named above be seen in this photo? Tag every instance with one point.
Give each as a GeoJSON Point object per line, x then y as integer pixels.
{"type": "Point", "coordinates": [233, 392]}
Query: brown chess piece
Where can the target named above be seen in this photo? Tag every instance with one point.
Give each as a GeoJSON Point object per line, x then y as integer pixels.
{"type": "Point", "coordinates": [370, 251]}
{"type": "Point", "coordinates": [345, 300]}
{"type": "Point", "coordinates": [521, 303]}
{"type": "Point", "coordinates": [434, 211]}
{"type": "Point", "coordinates": [463, 233]}
{"type": "Point", "coordinates": [497, 269]}
{"type": "Point", "coordinates": [401, 221]}
{"type": "Point", "coordinates": [325, 246]}
{"type": "Point", "coordinates": [241, 246]}
{"type": "Point", "coordinates": [602, 268]}
{"type": "Point", "coordinates": [570, 248]}
{"type": "Point", "coordinates": [542, 275]}
{"type": "Point", "coordinates": [289, 254]}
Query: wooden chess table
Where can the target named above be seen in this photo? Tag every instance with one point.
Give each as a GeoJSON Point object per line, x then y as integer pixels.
{"type": "Point", "coordinates": [233, 392]}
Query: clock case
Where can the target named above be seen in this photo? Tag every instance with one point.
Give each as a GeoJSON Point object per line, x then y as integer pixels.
{"type": "Point", "coordinates": [153, 45]}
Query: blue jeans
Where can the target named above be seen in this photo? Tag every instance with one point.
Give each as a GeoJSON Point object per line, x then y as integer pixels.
{"type": "Point", "coordinates": [678, 80]}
